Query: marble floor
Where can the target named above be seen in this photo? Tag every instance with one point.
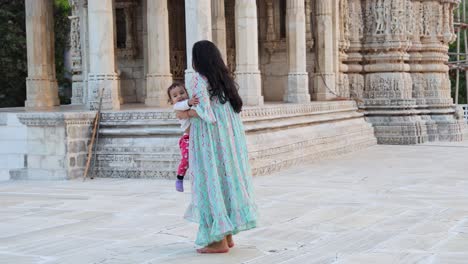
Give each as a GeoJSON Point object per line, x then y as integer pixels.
{"type": "Point", "coordinates": [386, 204]}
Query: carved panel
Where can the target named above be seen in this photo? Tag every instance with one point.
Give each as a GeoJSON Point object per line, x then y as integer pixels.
{"type": "Point", "coordinates": [230, 34]}
{"type": "Point", "coordinates": [126, 32]}
{"type": "Point", "coordinates": [178, 54]}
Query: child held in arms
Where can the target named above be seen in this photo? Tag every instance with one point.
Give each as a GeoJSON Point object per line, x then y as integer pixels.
{"type": "Point", "coordinates": [179, 98]}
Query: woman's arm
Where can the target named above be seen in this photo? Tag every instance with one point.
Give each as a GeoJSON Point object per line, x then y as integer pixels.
{"type": "Point", "coordinates": [192, 113]}
{"type": "Point", "coordinates": [199, 89]}
{"type": "Point", "coordinates": [186, 114]}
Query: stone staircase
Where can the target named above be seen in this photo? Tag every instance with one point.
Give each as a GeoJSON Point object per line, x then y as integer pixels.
{"type": "Point", "coordinates": [144, 143]}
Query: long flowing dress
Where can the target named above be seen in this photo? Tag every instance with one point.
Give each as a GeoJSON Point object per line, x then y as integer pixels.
{"type": "Point", "coordinates": [222, 192]}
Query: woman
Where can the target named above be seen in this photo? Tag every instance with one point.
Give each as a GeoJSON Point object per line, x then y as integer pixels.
{"type": "Point", "coordinates": [222, 197]}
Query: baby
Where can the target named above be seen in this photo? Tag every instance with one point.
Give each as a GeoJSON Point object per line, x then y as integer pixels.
{"type": "Point", "coordinates": [179, 98]}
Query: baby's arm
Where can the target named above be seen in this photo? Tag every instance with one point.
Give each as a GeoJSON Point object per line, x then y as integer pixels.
{"type": "Point", "coordinates": [182, 105]}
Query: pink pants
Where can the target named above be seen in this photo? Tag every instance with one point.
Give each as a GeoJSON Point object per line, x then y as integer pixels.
{"type": "Point", "coordinates": [184, 151]}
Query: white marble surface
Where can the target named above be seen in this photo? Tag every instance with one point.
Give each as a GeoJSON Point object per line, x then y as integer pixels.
{"type": "Point", "coordinates": [386, 204]}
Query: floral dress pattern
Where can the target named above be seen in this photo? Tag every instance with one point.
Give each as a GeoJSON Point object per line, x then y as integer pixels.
{"type": "Point", "coordinates": [222, 192]}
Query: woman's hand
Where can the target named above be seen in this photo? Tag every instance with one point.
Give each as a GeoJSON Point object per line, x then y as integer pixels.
{"type": "Point", "coordinates": [193, 102]}
{"type": "Point", "coordinates": [182, 114]}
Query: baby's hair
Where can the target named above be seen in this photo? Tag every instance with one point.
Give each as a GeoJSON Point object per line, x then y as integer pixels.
{"type": "Point", "coordinates": [173, 86]}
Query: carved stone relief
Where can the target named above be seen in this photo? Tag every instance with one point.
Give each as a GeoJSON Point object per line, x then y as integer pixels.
{"type": "Point", "coordinates": [76, 52]}
{"type": "Point", "coordinates": [176, 10]}
{"type": "Point", "coordinates": [125, 11]}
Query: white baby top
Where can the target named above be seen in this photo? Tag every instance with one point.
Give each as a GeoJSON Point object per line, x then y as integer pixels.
{"type": "Point", "coordinates": [183, 106]}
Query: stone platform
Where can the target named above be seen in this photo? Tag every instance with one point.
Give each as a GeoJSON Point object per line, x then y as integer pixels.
{"type": "Point", "coordinates": [138, 142]}
{"type": "Point", "coordinates": [381, 205]}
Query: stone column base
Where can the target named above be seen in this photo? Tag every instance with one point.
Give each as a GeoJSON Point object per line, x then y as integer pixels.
{"type": "Point", "coordinates": [111, 85]}
{"type": "Point", "coordinates": [250, 87]}
{"type": "Point", "coordinates": [406, 125]}
{"type": "Point", "coordinates": [41, 93]}
{"type": "Point", "coordinates": [324, 86]}
{"type": "Point", "coordinates": [399, 130]}
{"type": "Point", "coordinates": [156, 89]}
{"type": "Point", "coordinates": [298, 88]}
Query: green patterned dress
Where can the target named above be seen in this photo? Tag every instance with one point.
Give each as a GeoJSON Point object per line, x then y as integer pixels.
{"type": "Point", "coordinates": [222, 192]}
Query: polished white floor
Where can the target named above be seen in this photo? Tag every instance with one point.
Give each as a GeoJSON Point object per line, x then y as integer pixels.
{"type": "Point", "coordinates": [386, 204]}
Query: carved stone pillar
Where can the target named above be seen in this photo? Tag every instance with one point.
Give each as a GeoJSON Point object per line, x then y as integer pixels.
{"type": "Point", "coordinates": [41, 84]}
{"type": "Point", "coordinates": [343, 81]}
{"type": "Point", "coordinates": [324, 76]}
{"type": "Point", "coordinates": [297, 90]}
{"type": "Point", "coordinates": [219, 26]}
{"type": "Point", "coordinates": [159, 76]}
{"type": "Point", "coordinates": [198, 27]}
{"type": "Point", "coordinates": [432, 83]}
{"type": "Point", "coordinates": [247, 67]}
{"type": "Point", "coordinates": [308, 15]}
{"type": "Point", "coordinates": [75, 52]}
{"type": "Point", "coordinates": [354, 57]}
{"type": "Point", "coordinates": [388, 84]}
{"type": "Point", "coordinates": [102, 73]}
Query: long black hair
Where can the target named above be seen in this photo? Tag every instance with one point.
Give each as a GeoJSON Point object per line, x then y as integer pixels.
{"type": "Point", "coordinates": [208, 62]}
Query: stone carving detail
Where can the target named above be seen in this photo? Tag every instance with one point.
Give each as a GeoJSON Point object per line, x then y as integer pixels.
{"type": "Point", "coordinates": [230, 35]}
{"type": "Point", "coordinates": [129, 50]}
{"type": "Point", "coordinates": [76, 52]}
{"type": "Point", "coordinates": [75, 41]}
{"type": "Point", "coordinates": [405, 45]}
{"type": "Point", "coordinates": [354, 52]}
{"type": "Point", "coordinates": [177, 39]}
{"type": "Point", "coordinates": [309, 35]}
{"type": "Point", "coordinates": [343, 81]}
{"type": "Point", "coordinates": [178, 65]}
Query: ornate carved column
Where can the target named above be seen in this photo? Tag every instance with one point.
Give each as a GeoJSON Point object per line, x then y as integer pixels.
{"type": "Point", "coordinates": [198, 27]}
{"type": "Point", "coordinates": [388, 84]}
{"type": "Point", "coordinates": [437, 33]}
{"type": "Point", "coordinates": [159, 75]}
{"type": "Point", "coordinates": [431, 82]}
{"type": "Point", "coordinates": [297, 90]}
{"type": "Point", "coordinates": [75, 52]}
{"type": "Point", "coordinates": [102, 73]}
{"type": "Point", "coordinates": [41, 84]}
{"type": "Point", "coordinates": [324, 76]}
{"type": "Point", "coordinates": [344, 23]}
{"type": "Point", "coordinates": [247, 69]}
{"type": "Point", "coordinates": [354, 53]}
{"type": "Point", "coordinates": [308, 15]}
{"type": "Point", "coordinates": [219, 26]}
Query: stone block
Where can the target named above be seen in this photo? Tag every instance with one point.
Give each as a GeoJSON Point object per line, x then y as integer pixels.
{"type": "Point", "coordinates": [3, 119]}
{"type": "Point", "coordinates": [77, 147]}
{"type": "Point", "coordinates": [75, 173]}
{"type": "Point", "coordinates": [13, 147]}
{"type": "Point", "coordinates": [72, 162]}
{"type": "Point", "coordinates": [78, 132]}
{"type": "Point", "coordinates": [35, 133]}
{"type": "Point", "coordinates": [16, 160]}
{"type": "Point", "coordinates": [4, 161]}
{"type": "Point", "coordinates": [35, 161]}
{"type": "Point", "coordinates": [52, 162]}
{"type": "Point", "coordinates": [138, 74]}
{"type": "Point", "coordinates": [4, 175]}
{"type": "Point", "coordinates": [60, 148]}
{"type": "Point", "coordinates": [55, 133]}
{"type": "Point", "coordinates": [32, 174]}
{"type": "Point", "coordinates": [14, 133]}
{"type": "Point", "coordinates": [81, 160]}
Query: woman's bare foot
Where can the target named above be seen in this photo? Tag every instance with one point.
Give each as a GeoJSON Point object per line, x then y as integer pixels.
{"type": "Point", "coordinates": [216, 247]}
{"type": "Point", "coordinates": [230, 241]}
